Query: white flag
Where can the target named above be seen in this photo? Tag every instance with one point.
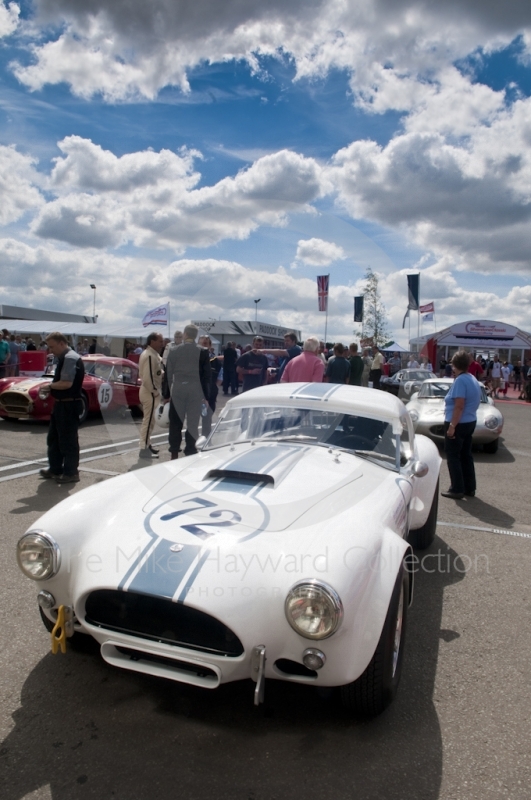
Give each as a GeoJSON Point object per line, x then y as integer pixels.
{"type": "Point", "coordinates": [157, 316]}
{"type": "Point", "coordinates": [427, 317]}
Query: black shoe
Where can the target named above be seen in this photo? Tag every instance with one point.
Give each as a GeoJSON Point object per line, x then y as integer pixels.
{"type": "Point", "coordinates": [470, 494]}
{"type": "Point", "coordinates": [145, 453]}
{"type": "Point", "coordinates": [47, 473]}
{"type": "Point", "coordinates": [154, 451]}
{"type": "Point", "coordinates": [68, 478]}
{"type": "Point", "coordinates": [453, 495]}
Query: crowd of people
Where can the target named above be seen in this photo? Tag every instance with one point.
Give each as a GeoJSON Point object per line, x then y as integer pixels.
{"type": "Point", "coordinates": [498, 375]}
{"type": "Point", "coordinates": [10, 346]}
{"type": "Point", "coordinates": [186, 374]}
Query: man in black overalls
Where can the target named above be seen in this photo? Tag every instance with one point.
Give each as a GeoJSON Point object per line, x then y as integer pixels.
{"type": "Point", "coordinates": [63, 444]}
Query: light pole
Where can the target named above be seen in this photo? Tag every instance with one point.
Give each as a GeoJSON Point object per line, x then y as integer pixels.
{"type": "Point", "coordinates": [256, 309]}
{"type": "Point", "coordinates": [93, 286]}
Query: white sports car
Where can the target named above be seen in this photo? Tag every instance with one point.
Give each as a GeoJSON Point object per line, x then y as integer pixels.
{"type": "Point", "coordinates": [281, 550]}
{"type": "Point", "coordinates": [426, 409]}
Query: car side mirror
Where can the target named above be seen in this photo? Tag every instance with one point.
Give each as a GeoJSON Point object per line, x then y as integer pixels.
{"type": "Point", "coordinates": [420, 469]}
{"type": "Point", "coordinates": [200, 441]}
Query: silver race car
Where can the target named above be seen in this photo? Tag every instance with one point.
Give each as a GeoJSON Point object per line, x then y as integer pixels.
{"type": "Point", "coordinates": [426, 409]}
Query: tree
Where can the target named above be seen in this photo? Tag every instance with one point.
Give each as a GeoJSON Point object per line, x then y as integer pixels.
{"type": "Point", "coordinates": [374, 325]}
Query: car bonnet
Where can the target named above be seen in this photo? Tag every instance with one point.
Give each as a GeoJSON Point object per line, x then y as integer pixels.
{"type": "Point", "coordinates": [250, 488]}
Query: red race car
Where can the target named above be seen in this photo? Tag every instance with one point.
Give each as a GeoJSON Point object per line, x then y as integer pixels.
{"type": "Point", "coordinates": [109, 384]}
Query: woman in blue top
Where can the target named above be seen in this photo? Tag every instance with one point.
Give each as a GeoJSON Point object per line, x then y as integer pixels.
{"type": "Point", "coordinates": [461, 405]}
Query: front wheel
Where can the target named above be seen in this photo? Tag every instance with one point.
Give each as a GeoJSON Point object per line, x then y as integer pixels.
{"type": "Point", "coordinates": [421, 538]}
{"type": "Point", "coordinates": [376, 688]}
{"type": "Point", "coordinates": [491, 447]}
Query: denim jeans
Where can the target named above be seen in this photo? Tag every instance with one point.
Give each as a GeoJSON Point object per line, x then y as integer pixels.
{"type": "Point", "coordinates": [459, 457]}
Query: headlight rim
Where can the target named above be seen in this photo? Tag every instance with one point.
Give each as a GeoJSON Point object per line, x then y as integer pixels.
{"type": "Point", "coordinates": [333, 597]}
{"type": "Point", "coordinates": [494, 422]}
{"type": "Point", "coordinates": [56, 554]}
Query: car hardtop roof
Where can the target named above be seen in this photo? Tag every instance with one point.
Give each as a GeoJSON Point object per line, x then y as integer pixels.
{"type": "Point", "coordinates": [438, 380]}
{"type": "Point", "coordinates": [326, 396]}
{"type": "Point", "coordinates": [107, 359]}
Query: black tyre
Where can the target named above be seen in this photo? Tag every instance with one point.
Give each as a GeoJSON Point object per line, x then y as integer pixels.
{"type": "Point", "coordinates": [83, 408]}
{"type": "Point", "coordinates": [491, 447]}
{"type": "Point", "coordinates": [376, 688]}
{"type": "Point", "coordinates": [421, 538]}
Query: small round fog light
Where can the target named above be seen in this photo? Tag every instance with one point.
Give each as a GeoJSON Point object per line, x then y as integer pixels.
{"type": "Point", "coordinates": [46, 599]}
{"type": "Point", "coordinates": [313, 659]}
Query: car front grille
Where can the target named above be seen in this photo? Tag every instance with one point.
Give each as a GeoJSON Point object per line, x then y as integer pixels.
{"type": "Point", "coordinates": [159, 619]}
{"type": "Point", "coordinates": [15, 402]}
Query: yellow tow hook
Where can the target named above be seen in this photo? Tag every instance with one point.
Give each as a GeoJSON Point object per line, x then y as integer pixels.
{"type": "Point", "coordinates": [63, 627]}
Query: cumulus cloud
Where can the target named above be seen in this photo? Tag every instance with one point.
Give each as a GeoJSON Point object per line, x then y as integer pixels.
{"type": "Point", "coordinates": [127, 48]}
{"type": "Point", "coordinates": [9, 15]}
{"type": "Point", "coordinates": [150, 198]}
{"type": "Point", "coordinates": [318, 253]}
{"type": "Point", "coordinates": [18, 192]}
{"type": "Point", "coordinates": [469, 197]}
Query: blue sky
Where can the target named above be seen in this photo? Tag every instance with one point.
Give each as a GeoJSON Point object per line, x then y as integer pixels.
{"type": "Point", "coordinates": [212, 154]}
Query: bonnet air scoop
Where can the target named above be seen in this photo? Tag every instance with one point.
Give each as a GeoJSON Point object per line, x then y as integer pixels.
{"type": "Point", "coordinates": [240, 475]}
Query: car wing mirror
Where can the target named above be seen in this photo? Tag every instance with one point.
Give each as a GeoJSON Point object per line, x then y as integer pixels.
{"type": "Point", "coordinates": [420, 469]}
{"type": "Point", "coordinates": [200, 441]}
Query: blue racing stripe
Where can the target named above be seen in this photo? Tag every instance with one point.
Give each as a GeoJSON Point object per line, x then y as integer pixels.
{"type": "Point", "coordinates": [254, 460]}
{"type": "Point", "coordinates": [163, 570]}
{"type": "Point", "coordinates": [316, 391]}
{"type": "Point", "coordinates": [193, 575]}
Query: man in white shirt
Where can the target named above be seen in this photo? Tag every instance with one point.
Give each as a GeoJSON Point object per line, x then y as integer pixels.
{"type": "Point", "coordinates": [495, 374]}
{"type": "Point", "coordinates": [412, 363]}
{"type": "Point", "coordinates": [376, 367]}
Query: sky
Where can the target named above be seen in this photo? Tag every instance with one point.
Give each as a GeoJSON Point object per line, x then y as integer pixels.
{"type": "Point", "coordinates": [209, 154]}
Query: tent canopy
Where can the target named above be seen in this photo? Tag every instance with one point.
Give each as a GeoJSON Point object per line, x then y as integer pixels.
{"type": "Point", "coordinates": [393, 347]}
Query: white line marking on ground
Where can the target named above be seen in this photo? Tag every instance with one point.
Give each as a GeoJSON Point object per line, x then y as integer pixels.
{"type": "Point", "coordinates": [499, 531]}
{"type": "Point", "coordinates": [19, 464]}
{"type": "Point", "coordinates": [99, 471]}
{"type": "Point", "coordinates": [520, 453]}
{"type": "Point", "coordinates": [82, 461]}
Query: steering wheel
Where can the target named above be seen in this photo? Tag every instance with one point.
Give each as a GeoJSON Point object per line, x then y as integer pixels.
{"type": "Point", "coordinates": [356, 442]}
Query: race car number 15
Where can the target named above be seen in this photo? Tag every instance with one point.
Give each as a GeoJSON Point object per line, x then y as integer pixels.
{"type": "Point", "coordinates": [105, 395]}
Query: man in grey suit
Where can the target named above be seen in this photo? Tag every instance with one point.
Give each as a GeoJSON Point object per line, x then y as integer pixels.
{"type": "Point", "coordinates": [188, 379]}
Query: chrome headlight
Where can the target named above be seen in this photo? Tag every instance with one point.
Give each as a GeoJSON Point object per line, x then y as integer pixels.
{"type": "Point", "coordinates": [414, 416]}
{"type": "Point", "coordinates": [38, 555]}
{"type": "Point", "coordinates": [491, 423]}
{"type": "Point", "coordinates": [313, 609]}
{"type": "Point", "coordinates": [44, 393]}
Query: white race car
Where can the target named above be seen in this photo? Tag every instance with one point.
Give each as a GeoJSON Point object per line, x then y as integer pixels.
{"type": "Point", "coordinates": [281, 550]}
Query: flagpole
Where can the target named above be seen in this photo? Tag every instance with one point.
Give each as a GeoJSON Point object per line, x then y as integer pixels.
{"type": "Point", "coordinates": [169, 322]}
{"type": "Point", "coordinates": [326, 318]}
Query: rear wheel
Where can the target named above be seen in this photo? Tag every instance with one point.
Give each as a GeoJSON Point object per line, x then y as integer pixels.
{"type": "Point", "coordinates": [421, 538]}
{"type": "Point", "coordinates": [491, 447]}
{"type": "Point", "coordinates": [376, 688]}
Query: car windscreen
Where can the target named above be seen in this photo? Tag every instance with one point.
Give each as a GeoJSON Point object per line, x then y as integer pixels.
{"type": "Point", "coordinates": [416, 375]}
{"type": "Point", "coordinates": [98, 369]}
{"type": "Point", "coordinates": [434, 389]}
{"type": "Point", "coordinates": [357, 433]}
